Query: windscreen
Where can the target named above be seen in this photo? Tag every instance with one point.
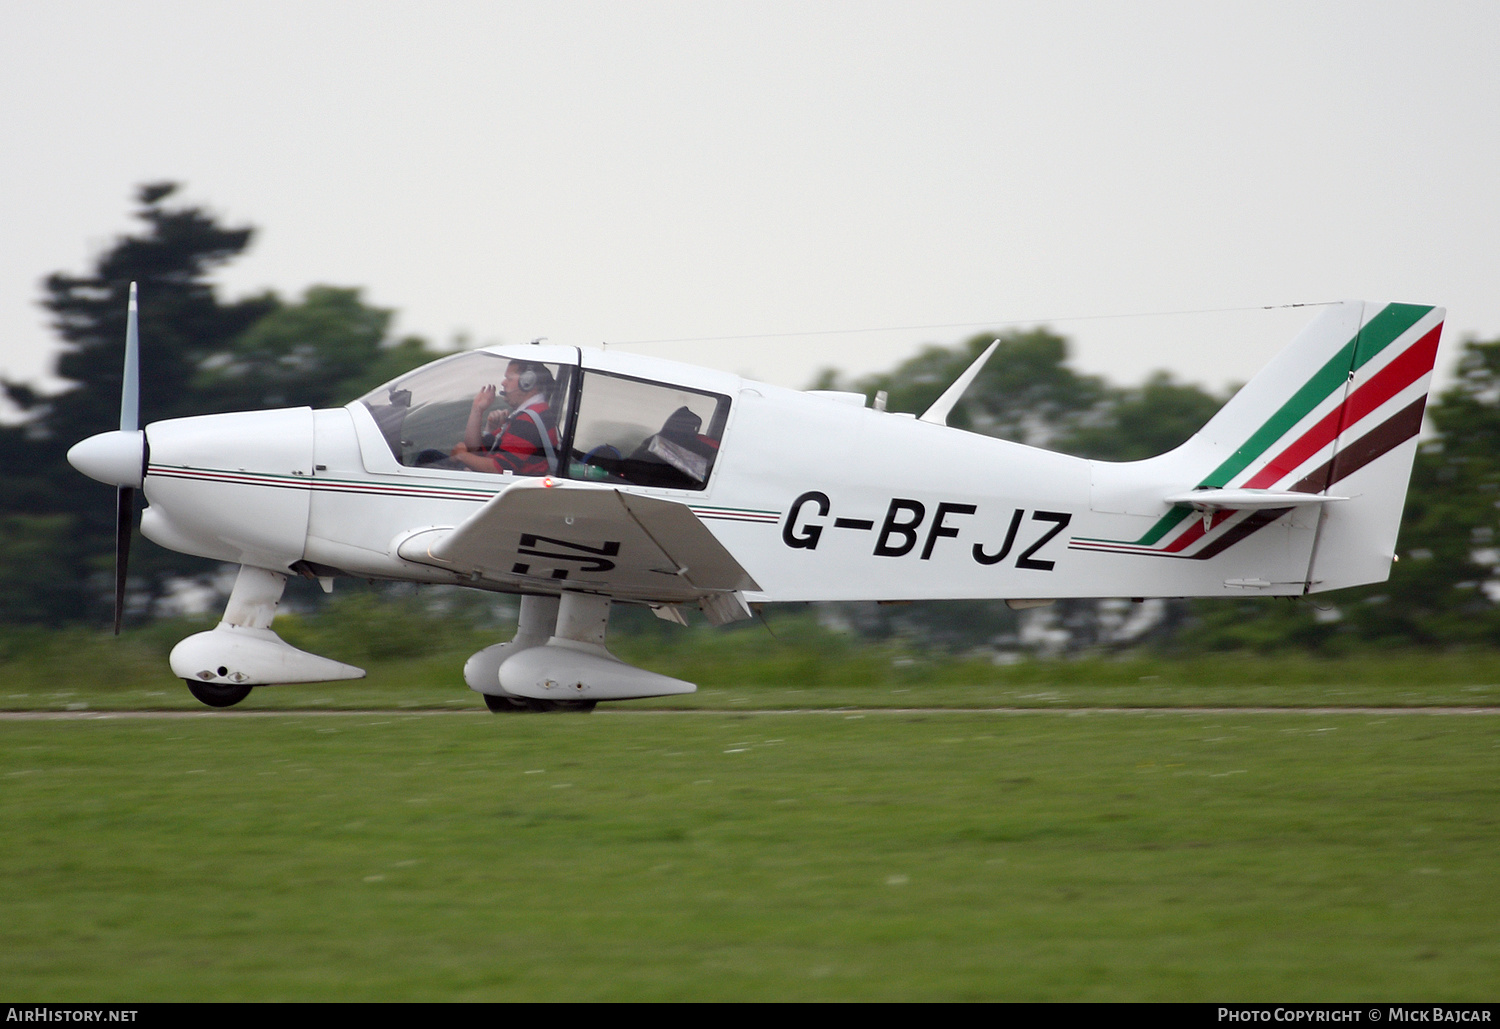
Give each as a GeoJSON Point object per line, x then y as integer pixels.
{"type": "Point", "coordinates": [478, 412]}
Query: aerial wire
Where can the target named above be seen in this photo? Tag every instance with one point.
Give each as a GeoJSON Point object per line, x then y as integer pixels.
{"type": "Point", "coordinates": [998, 323]}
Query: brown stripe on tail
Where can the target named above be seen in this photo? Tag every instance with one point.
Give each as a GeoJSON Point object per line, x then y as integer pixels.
{"type": "Point", "coordinates": [1246, 528]}
{"type": "Point", "coordinates": [1382, 439]}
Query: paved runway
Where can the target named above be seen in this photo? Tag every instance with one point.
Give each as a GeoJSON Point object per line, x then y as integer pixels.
{"type": "Point", "coordinates": [75, 716]}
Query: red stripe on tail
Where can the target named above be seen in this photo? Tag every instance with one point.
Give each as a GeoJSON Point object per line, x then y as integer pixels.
{"type": "Point", "coordinates": [1415, 362]}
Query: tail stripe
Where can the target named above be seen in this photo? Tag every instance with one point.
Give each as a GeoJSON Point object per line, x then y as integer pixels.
{"type": "Point", "coordinates": [1409, 366]}
{"type": "Point", "coordinates": [1380, 332]}
{"type": "Point", "coordinates": [1164, 525]}
{"type": "Point", "coordinates": [1258, 520]}
{"type": "Point", "coordinates": [1382, 439]}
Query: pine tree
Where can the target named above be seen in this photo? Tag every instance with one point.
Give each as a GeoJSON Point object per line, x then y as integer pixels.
{"type": "Point", "coordinates": [60, 526]}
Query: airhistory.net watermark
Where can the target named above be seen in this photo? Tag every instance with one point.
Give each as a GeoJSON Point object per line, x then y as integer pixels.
{"type": "Point", "coordinates": [57, 1013]}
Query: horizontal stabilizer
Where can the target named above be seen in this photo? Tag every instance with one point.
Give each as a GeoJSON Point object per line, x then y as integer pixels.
{"type": "Point", "coordinates": [1246, 499]}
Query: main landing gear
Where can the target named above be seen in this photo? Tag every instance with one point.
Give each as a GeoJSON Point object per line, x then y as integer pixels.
{"type": "Point", "coordinates": [517, 705]}
{"type": "Point", "coordinates": [557, 661]}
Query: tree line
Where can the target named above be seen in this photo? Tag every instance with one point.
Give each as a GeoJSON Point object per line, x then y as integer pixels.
{"type": "Point", "coordinates": [201, 354]}
{"type": "Point", "coordinates": [204, 354]}
{"type": "Point", "coordinates": [1444, 589]}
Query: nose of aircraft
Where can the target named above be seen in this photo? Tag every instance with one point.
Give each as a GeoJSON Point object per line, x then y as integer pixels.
{"type": "Point", "coordinates": [117, 458]}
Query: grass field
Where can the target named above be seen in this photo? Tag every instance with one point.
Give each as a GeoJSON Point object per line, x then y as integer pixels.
{"type": "Point", "coordinates": [1042, 855]}
{"type": "Point", "coordinates": [388, 839]}
{"type": "Point", "coordinates": [417, 664]}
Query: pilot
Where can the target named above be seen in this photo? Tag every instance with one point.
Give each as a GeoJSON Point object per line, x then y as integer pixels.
{"type": "Point", "coordinates": [523, 441]}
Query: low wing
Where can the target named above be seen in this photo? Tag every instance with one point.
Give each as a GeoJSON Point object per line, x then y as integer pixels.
{"type": "Point", "coordinates": [545, 534]}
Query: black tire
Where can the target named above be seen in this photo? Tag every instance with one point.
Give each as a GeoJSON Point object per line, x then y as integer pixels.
{"type": "Point", "coordinates": [513, 705]}
{"type": "Point", "coordinates": [217, 694]}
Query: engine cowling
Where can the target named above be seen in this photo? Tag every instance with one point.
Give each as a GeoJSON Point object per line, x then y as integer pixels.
{"type": "Point", "coordinates": [231, 487]}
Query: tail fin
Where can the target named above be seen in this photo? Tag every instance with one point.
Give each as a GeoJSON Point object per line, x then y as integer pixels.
{"type": "Point", "coordinates": [1337, 412]}
{"type": "Point", "coordinates": [1335, 416]}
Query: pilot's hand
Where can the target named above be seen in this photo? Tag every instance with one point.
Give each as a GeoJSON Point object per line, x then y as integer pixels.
{"type": "Point", "coordinates": [484, 398]}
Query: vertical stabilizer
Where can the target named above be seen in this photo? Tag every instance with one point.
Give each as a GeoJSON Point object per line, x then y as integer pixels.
{"type": "Point", "coordinates": [1375, 447]}
{"type": "Point", "coordinates": [1335, 414]}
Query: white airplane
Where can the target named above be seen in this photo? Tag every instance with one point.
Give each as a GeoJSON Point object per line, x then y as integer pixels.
{"type": "Point", "coordinates": [579, 478]}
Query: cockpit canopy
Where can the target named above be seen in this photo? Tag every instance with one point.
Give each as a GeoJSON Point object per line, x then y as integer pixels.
{"type": "Point", "coordinates": [593, 425]}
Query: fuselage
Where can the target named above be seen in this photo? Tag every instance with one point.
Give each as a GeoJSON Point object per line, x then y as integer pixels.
{"type": "Point", "coordinates": [818, 497]}
{"type": "Point", "coordinates": [612, 477]}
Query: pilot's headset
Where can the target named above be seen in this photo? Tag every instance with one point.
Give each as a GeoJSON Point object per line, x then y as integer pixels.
{"type": "Point", "coordinates": [535, 377]}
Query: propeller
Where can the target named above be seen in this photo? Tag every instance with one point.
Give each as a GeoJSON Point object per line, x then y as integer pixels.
{"type": "Point", "coordinates": [130, 415]}
{"type": "Point", "coordinates": [119, 458]}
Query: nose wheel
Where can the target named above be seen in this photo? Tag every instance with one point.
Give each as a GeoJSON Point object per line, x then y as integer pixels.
{"type": "Point", "coordinates": [218, 694]}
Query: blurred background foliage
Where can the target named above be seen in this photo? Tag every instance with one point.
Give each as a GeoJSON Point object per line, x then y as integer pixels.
{"type": "Point", "coordinates": [202, 354]}
{"type": "Point", "coordinates": [205, 353]}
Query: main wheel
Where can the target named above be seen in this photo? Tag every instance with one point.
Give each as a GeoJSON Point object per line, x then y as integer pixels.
{"type": "Point", "coordinates": [216, 694]}
{"type": "Point", "coordinates": [503, 705]}
{"type": "Point", "coordinates": [513, 705]}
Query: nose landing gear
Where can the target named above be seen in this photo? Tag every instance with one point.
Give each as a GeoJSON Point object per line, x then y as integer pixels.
{"type": "Point", "coordinates": [220, 666]}
{"type": "Point", "coordinates": [216, 694]}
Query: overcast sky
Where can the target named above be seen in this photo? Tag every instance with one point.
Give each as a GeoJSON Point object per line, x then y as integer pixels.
{"type": "Point", "coordinates": [630, 171]}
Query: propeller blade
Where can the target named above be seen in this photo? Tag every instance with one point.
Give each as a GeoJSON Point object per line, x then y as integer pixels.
{"type": "Point", "coordinates": [130, 416]}
{"type": "Point", "coordinates": [124, 523]}
{"type": "Point", "coordinates": [130, 389]}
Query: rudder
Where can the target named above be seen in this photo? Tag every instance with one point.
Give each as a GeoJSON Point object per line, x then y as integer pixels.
{"type": "Point", "coordinates": [1337, 412]}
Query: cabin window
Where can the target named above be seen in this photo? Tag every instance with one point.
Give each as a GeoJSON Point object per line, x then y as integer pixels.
{"type": "Point", "coordinates": [646, 433]}
{"type": "Point", "coordinates": [430, 420]}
